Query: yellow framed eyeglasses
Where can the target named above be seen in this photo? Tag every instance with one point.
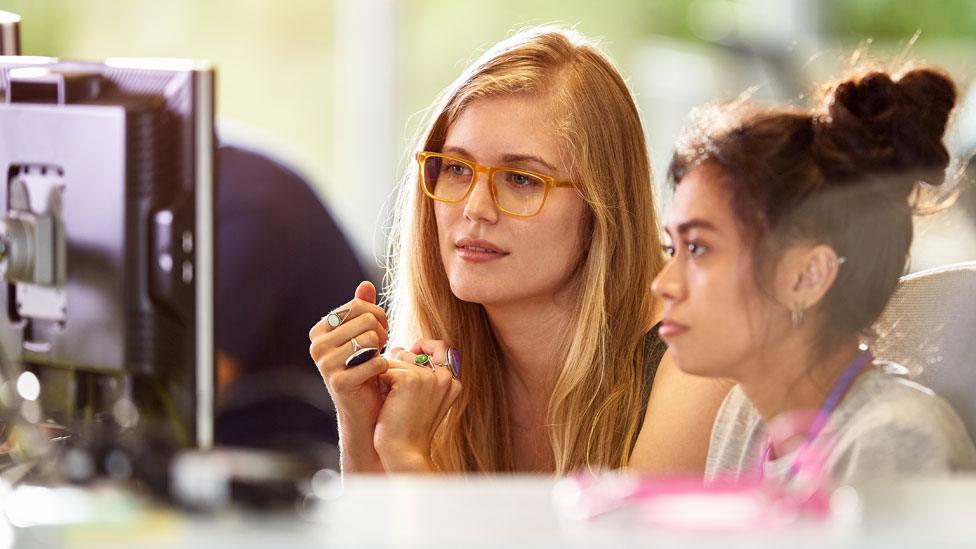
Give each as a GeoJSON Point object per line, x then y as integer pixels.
{"type": "Point", "coordinates": [516, 192]}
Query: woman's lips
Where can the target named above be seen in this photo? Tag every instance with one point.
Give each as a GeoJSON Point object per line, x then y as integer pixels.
{"type": "Point", "coordinates": [477, 250]}
{"type": "Point", "coordinates": [478, 254]}
{"type": "Point", "coordinates": [670, 329]}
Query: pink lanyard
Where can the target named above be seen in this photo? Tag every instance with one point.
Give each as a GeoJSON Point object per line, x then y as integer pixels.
{"type": "Point", "coordinates": [862, 359]}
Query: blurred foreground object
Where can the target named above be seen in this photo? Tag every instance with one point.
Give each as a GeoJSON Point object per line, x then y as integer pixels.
{"type": "Point", "coordinates": [9, 33]}
{"type": "Point", "coordinates": [918, 513]}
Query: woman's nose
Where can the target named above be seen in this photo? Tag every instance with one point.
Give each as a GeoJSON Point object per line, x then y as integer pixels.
{"type": "Point", "coordinates": [669, 283]}
{"type": "Point", "coordinates": [480, 206]}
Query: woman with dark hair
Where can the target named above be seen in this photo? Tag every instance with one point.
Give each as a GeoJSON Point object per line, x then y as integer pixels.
{"type": "Point", "coordinates": [790, 229]}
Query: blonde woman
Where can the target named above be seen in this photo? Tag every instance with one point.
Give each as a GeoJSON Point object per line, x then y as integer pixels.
{"type": "Point", "coordinates": [526, 239]}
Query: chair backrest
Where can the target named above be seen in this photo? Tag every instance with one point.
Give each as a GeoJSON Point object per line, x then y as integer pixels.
{"type": "Point", "coordinates": [929, 327]}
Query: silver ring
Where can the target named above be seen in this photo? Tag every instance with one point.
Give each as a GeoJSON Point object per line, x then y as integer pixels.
{"type": "Point", "coordinates": [424, 361]}
{"type": "Point", "coordinates": [447, 365]}
{"type": "Point", "coordinates": [359, 354]}
{"type": "Point", "coordinates": [337, 317]}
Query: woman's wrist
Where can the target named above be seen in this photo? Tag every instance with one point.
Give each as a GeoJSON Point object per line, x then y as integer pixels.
{"type": "Point", "coordinates": [356, 451]}
{"type": "Point", "coordinates": [404, 458]}
{"type": "Point", "coordinates": [359, 462]}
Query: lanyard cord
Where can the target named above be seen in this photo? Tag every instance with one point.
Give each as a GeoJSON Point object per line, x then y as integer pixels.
{"type": "Point", "coordinates": [863, 358]}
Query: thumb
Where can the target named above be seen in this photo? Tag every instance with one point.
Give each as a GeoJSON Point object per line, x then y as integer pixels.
{"type": "Point", "coordinates": [366, 291]}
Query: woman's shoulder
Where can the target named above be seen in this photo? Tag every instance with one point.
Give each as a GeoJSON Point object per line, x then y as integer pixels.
{"type": "Point", "coordinates": [896, 395]}
{"type": "Point", "coordinates": [891, 427]}
{"type": "Point", "coordinates": [888, 409]}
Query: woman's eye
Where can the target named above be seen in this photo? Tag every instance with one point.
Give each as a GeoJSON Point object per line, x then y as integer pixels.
{"type": "Point", "coordinates": [523, 181]}
{"type": "Point", "coordinates": [455, 169]}
{"type": "Point", "coordinates": [696, 249]}
{"type": "Point", "coordinates": [669, 249]}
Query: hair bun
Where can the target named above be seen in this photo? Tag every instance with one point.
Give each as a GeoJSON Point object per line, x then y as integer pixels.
{"type": "Point", "coordinates": [883, 126]}
{"type": "Point", "coordinates": [869, 100]}
{"type": "Point", "coordinates": [932, 95]}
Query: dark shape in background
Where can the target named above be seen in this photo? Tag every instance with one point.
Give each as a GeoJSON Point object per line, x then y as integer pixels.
{"type": "Point", "coordinates": [282, 263]}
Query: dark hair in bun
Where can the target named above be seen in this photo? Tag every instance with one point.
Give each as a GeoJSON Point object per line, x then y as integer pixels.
{"type": "Point", "coordinates": [845, 174]}
{"type": "Point", "coordinates": [875, 126]}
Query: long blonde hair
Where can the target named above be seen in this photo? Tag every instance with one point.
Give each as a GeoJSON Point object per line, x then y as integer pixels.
{"type": "Point", "coordinates": [595, 408]}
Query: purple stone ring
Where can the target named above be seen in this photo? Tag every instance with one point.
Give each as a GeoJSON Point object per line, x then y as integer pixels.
{"type": "Point", "coordinates": [454, 360]}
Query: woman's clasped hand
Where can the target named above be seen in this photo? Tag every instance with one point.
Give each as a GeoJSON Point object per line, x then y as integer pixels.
{"type": "Point", "coordinates": [393, 402]}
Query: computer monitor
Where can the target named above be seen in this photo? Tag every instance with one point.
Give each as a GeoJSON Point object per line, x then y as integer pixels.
{"type": "Point", "coordinates": [107, 218]}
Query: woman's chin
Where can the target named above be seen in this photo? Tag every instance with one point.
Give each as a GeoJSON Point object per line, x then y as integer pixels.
{"type": "Point", "coordinates": [483, 294]}
{"type": "Point", "coordinates": [473, 295]}
{"type": "Point", "coordinates": [690, 365]}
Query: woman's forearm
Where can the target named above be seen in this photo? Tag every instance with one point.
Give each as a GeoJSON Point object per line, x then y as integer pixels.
{"type": "Point", "coordinates": [356, 451]}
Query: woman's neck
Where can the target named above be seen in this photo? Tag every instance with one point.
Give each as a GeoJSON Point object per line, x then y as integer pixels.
{"type": "Point", "coordinates": [530, 333]}
{"type": "Point", "coordinates": [790, 381]}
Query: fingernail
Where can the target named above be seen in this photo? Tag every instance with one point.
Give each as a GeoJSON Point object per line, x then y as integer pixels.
{"type": "Point", "coordinates": [454, 359]}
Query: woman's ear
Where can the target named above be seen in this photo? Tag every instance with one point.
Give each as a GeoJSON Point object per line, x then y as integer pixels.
{"type": "Point", "coordinates": [805, 274]}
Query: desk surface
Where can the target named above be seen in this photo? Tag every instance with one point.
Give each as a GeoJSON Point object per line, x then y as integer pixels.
{"type": "Point", "coordinates": [499, 512]}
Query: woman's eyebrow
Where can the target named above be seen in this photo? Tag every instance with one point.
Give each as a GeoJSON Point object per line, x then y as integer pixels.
{"type": "Point", "coordinates": [508, 158]}
{"type": "Point", "coordinates": [512, 158]}
{"type": "Point", "coordinates": [699, 224]}
{"type": "Point", "coordinates": [681, 229]}
{"type": "Point", "coordinates": [456, 150]}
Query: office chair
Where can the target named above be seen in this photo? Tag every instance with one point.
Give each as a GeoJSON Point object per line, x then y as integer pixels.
{"type": "Point", "coordinates": [929, 327]}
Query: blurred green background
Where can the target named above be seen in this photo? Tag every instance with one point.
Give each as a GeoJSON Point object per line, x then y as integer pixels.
{"type": "Point", "coordinates": [338, 88]}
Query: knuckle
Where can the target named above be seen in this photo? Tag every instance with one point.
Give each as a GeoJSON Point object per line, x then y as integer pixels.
{"type": "Point", "coordinates": [315, 350]}
{"type": "Point", "coordinates": [445, 384]}
{"type": "Point", "coordinates": [368, 321]}
{"type": "Point", "coordinates": [322, 364]}
{"type": "Point", "coordinates": [327, 379]}
{"type": "Point", "coordinates": [379, 364]}
{"type": "Point", "coordinates": [321, 327]}
{"type": "Point", "coordinates": [338, 383]}
{"type": "Point", "coordinates": [318, 347]}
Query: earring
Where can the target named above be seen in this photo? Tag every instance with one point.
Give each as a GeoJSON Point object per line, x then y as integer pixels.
{"type": "Point", "coordinates": [797, 314]}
